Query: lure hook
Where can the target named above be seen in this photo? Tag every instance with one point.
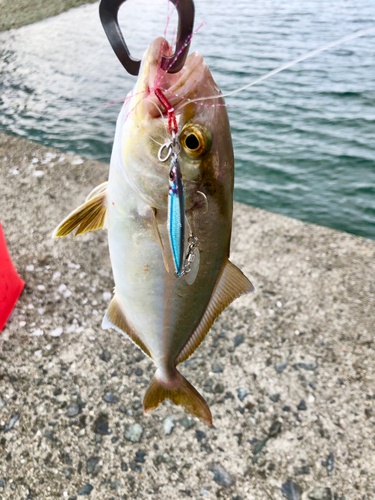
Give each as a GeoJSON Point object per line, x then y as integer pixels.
{"type": "Point", "coordinates": [108, 11]}
{"type": "Point", "coordinates": [205, 200]}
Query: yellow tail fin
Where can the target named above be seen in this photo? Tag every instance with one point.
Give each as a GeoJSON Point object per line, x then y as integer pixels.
{"type": "Point", "coordinates": [180, 392]}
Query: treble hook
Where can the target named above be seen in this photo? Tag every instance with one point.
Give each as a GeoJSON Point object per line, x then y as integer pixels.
{"type": "Point", "coordinates": [108, 11]}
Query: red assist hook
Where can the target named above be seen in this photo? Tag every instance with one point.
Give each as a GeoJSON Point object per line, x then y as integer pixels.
{"type": "Point", "coordinates": [172, 120]}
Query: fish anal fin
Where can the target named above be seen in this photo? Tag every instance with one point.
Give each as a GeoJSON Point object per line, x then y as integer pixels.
{"type": "Point", "coordinates": [231, 285]}
{"type": "Point", "coordinates": [115, 318]}
{"type": "Point", "coordinates": [181, 393]}
{"type": "Point", "coordinates": [88, 217]}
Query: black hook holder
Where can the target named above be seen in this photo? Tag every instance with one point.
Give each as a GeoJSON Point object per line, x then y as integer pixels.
{"type": "Point", "coordinates": [108, 11]}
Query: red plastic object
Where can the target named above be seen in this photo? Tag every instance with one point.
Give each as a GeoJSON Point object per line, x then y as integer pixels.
{"type": "Point", "coordinates": [11, 285]}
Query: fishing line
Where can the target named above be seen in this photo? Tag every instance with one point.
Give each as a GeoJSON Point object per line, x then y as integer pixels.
{"type": "Point", "coordinates": [310, 54]}
{"type": "Point", "coordinates": [161, 113]}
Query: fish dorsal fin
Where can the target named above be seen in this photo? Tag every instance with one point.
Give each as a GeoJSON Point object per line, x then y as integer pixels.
{"type": "Point", "coordinates": [231, 284]}
{"type": "Point", "coordinates": [115, 318]}
{"type": "Point", "coordinates": [88, 217]}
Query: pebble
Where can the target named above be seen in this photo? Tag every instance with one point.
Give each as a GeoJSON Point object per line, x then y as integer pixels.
{"type": "Point", "coordinates": [238, 339]}
{"type": "Point", "coordinates": [56, 332]}
{"type": "Point", "coordinates": [101, 425]}
{"type": "Point", "coordinates": [115, 485]}
{"type": "Point", "coordinates": [107, 296]}
{"type": "Point", "coordinates": [109, 397]}
{"type": "Point", "coordinates": [187, 422]}
{"type": "Point", "coordinates": [105, 356]}
{"type": "Point", "coordinates": [2, 483]}
{"type": "Point", "coordinates": [77, 161]}
{"type": "Point", "coordinates": [291, 490]}
{"type": "Point", "coordinates": [280, 367]}
{"type": "Point", "coordinates": [275, 397]}
{"type": "Point", "coordinates": [124, 466]}
{"type": "Point", "coordinates": [168, 426]}
{"type": "Point", "coordinates": [305, 469]}
{"type": "Point", "coordinates": [302, 406]}
{"type": "Point", "coordinates": [73, 410]}
{"type": "Point", "coordinates": [259, 446]}
{"type": "Point", "coordinates": [37, 333]}
{"type": "Point", "coordinates": [38, 173]}
{"type": "Point", "coordinates": [133, 433]}
{"type": "Point", "coordinates": [208, 385]}
{"type": "Point", "coordinates": [85, 490]}
{"type": "Point", "coordinates": [216, 368]}
{"type": "Point", "coordinates": [221, 476]}
{"type": "Point", "coordinates": [91, 464]}
{"type": "Point", "coordinates": [219, 388]}
{"type": "Point", "coordinates": [163, 458]}
{"type": "Point", "coordinates": [308, 366]}
{"type": "Point", "coordinates": [12, 422]}
{"type": "Point", "coordinates": [320, 494]}
{"type": "Point", "coordinates": [200, 435]}
{"type": "Point", "coordinates": [140, 457]}
{"type": "Point", "coordinates": [330, 464]}
{"type": "Point", "coordinates": [275, 429]}
{"type": "Point", "coordinates": [241, 393]}
{"type": "Point", "coordinates": [2, 403]}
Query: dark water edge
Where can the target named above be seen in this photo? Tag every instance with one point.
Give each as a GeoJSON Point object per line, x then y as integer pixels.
{"type": "Point", "coordinates": [303, 140]}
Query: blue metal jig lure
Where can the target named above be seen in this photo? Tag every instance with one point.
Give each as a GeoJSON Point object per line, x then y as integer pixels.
{"type": "Point", "coordinates": [176, 215]}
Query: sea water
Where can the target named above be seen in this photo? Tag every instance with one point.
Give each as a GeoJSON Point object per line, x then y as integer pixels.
{"type": "Point", "coordinates": [304, 139]}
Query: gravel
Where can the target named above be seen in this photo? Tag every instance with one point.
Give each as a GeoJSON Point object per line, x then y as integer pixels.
{"type": "Point", "coordinates": [47, 452]}
{"type": "Point", "coordinates": [133, 433]}
{"type": "Point", "coordinates": [291, 490]}
{"type": "Point", "coordinates": [73, 410]}
{"type": "Point", "coordinates": [221, 476]}
{"type": "Point", "coordinates": [168, 425]}
{"type": "Point", "coordinates": [321, 494]}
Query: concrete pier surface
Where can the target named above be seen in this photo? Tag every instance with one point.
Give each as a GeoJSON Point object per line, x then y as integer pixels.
{"type": "Point", "coordinates": [16, 13]}
{"type": "Point", "coordinates": [288, 372]}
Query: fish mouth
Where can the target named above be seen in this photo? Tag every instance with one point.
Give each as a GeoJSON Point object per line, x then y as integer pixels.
{"type": "Point", "coordinates": [178, 88]}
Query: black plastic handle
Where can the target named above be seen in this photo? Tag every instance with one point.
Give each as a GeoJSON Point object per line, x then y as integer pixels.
{"type": "Point", "coordinates": [108, 11]}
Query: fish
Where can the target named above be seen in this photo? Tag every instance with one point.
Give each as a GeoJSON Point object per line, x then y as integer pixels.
{"type": "Point", "coordinates": [163, 312]}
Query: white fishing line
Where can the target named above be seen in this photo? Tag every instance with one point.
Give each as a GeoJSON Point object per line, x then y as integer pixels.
{"type": "Point", "coordinates": [310, 54]}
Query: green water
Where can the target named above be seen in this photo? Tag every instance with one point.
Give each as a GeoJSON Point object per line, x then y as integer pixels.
{"type": "Point", "coordinates": [303, 140]}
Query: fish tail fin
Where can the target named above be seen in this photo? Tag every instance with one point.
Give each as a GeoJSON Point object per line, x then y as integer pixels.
{"type": "Point", "coordinates": [180, 392]}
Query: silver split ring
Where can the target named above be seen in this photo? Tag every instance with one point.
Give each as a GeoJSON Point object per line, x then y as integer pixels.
{"type": "Point", "coordinates": [167, 145]}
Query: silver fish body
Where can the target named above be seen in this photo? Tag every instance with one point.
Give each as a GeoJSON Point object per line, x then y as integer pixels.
{"type": "Point", "coordinates": [163, 314]}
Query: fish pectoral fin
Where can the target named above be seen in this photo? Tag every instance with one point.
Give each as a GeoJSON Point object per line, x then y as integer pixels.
{"type": "Point", "coordinates": [98, 190]}
{"type": "Point", "coordinates": [115, 318]}
{"type": "Point", "coordinates": [231, 285]}
{"type": "Point", "coordinates": [157, 232]}
{"type": "Point", "coordinates": [88, 217]}
{"type": "Point", "coordinates": [180, 392]}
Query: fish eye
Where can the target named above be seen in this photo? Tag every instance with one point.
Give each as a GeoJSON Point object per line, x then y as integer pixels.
{"type": "Point", "coordinates": [192, 142]}
{"type": "Point", "coordinates": [171, 175]}
{"type": "Point", "coordinates": [195, 140]}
